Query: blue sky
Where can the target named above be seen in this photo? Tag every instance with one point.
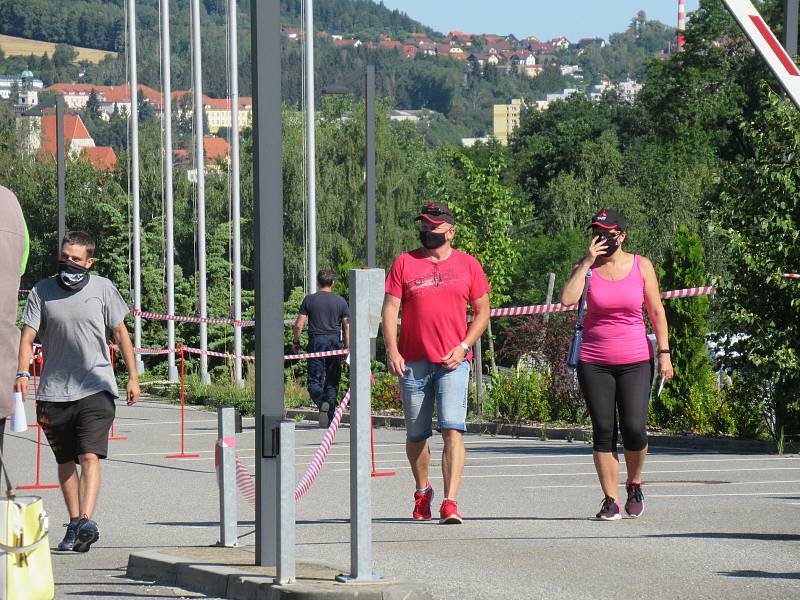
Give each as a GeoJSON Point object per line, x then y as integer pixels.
{"type": "Point", "coordinates": [543, 18]}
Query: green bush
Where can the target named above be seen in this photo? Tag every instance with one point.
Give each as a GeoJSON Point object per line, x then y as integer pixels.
{"type": "Point", "coordinates": [519, 395]}
{"type": "Point", "coordinates": [386, 393]}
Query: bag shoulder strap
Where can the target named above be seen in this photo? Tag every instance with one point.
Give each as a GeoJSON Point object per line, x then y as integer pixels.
{"type": "Point", "coordinates": [10, 494]}
{"type": "Point", "coordinates": [582, 305]}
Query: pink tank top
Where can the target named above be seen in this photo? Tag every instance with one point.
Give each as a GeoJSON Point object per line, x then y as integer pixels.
{"type": "Point", "coordinates": [614, 331]}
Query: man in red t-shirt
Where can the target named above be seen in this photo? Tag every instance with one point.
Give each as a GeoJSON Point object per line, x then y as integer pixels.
{"type": "Point", "coordinates": [433, 285]}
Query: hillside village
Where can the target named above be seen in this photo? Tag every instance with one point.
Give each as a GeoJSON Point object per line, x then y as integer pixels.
{"type": "Point", "coordinates": [479, 53]}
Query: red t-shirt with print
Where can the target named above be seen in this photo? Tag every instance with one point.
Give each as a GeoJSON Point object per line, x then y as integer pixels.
{"type": "Point", "coordinates": [434, 298]}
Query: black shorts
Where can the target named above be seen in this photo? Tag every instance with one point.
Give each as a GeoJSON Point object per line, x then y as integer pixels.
{"type": "Point", "coordinates": [79, 427]}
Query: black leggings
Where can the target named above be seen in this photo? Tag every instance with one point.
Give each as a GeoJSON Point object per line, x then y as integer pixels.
{"type": "Point", "coordinates": [627, 387]}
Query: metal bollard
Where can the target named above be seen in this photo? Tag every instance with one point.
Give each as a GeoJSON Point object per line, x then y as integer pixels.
{"type": "Point", "coordinates": [287, 506]}
{"type": "Point", "coordinates": [226, 477]}
{"type": "Point", "coordinates": [366, 298]}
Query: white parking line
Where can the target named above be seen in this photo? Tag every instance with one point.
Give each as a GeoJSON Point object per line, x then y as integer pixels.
{"type": "Point", "coordinates": [594, 474]}
{"type": "Point", "coordinates": [715, 495]}
{"type": "Point", "coordinates": [648, 484]}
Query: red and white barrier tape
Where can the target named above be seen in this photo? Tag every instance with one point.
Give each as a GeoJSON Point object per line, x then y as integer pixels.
{"type": "Point", "coordinates": [315, 466]}
{"type": "Point", "coordinates": [495, 312]}
{"type": "Point", "coordinates": [245, 483]}
{"type": "Point", "coordinates": [342, 352]}
{"type": "Point", "coordinates": [792, 275]}
{"type": "Point", "coordinates": [187, 319]}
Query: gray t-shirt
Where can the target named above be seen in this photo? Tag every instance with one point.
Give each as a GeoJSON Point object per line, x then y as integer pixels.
{"type": "Point", "coordinates": [74, 329]}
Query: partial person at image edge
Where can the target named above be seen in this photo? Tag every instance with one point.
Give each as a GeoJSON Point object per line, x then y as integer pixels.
{"type": "Point", "coordinates": [14, 246]}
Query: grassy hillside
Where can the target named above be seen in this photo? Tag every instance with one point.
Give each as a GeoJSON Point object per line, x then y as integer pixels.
{"type": "Point", "coordinates": [16, 46]}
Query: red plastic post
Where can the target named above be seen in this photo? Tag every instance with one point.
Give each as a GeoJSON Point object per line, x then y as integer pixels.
{"type": "Point", "coordinates": [183, 411]}
{"type": "Point", "coordinates": [33, 376]}
{"type": "Point", "coordinates": [112, 435]}
{"type": "Point", "coordinates": [375, 472]}
{"type": "Point", "coordinates": [38, 484]}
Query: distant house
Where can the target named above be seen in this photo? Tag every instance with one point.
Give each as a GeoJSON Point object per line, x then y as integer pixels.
{"type": "Point", "coordinates": [216, 149]}
{"type": "Point", "coordinates": [410, 50]}
{"type": "Point", "coordinates": [506, 118]}
{"type": "Point", "coordinates": [76, 136]}
{"type": "Point", "coordinates": [560, 43]}
{"type": "Point", "coordinates": [102, 157]}
{"type": "Point", "coordinates": [294, 34]}
{"type": "Point", "coordinates": [391, 44]}
{"type": "Point", "coordinates": [587, 42]}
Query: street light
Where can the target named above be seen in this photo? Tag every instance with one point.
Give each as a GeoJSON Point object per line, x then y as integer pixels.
{"type": "Point", "coordinates": [369, 154]}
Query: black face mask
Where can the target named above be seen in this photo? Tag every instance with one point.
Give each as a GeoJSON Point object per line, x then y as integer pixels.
{"type": "Point", "coordinates": [72, 277]}
{"type": "Point", "coordinates": [612, 243]}
{"type": "Point", "coordinates": [432, 240]}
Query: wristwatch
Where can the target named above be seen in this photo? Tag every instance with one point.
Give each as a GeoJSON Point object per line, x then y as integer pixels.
{"type": "Point", "coordinates": [464, 346]}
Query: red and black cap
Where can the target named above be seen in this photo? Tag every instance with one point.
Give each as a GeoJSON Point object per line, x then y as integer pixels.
{"type": "Point", "coordinates": [436, 213]}
{"type": "Point", "coordinates": [608, 218]}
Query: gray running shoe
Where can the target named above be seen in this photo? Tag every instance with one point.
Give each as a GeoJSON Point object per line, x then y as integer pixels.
{"type": "Point", "coordinates": [69, 537]}
{"type": "Point", "coordinates": [634, 506]}
{"type": "Point", "coordinates": [324, 415]}
{"type": "Point", "coordinates": [609, 510]}
{"type": "Point", "coordinates": [87, 535]}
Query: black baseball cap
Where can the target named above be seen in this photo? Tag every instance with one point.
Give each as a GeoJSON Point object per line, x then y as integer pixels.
{"type": "Point", "coordinates": [436, 213]}
{"type": "Point", "coordinates": [608, 218]}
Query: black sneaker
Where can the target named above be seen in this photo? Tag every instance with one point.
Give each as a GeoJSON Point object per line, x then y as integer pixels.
{"type": "Point", "coordinates": [324, 415]}
{"type": "Point", "coordinates": [69, 537]}
{"type": "Point", "coordinates": [87, 534]}
{"type": "Point", "coordinates": [634, 506]}
{"type": "Point", "coordinates": [609, 510]}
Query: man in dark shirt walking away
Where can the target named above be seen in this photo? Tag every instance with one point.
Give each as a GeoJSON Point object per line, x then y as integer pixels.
{"type": "Point", "coordinates": [328, 322]}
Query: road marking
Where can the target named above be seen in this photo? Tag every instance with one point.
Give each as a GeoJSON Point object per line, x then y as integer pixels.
{"type": "Point", "coordinates": [648, 484]}
{"type": "Point", "coordinates": [715, 495]}
{"type": "Point", "coordinates": [594, 474]}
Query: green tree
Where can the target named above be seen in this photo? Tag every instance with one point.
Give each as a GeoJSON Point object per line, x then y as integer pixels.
{"type": "Point", "coordinates": [688, 400]}
{"type": "Point", "coordinates": [486, 213]}
{"type": "Point", "coordinates": [757, 219]}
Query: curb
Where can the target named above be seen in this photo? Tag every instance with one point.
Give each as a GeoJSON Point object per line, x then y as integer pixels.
{"type": "Point", "coordinates": [577, 434]}
{"type": "Point", "coordinates": [257, 583]}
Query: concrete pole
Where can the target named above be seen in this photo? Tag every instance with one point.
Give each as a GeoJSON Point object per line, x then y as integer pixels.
{"type": "Point", "coordinates": [137, 242]}
{"type": "Point", "coordinates": [551, 282]}
{"type": "Point", "coordinates": [226, 476]}
{"type": "Point", "coordinates": [169, 210]}
{"type": "Point", "coordinates": [197, 68]}
{"type": "Point", "coordinates": [60, 170]}
{"type": "Point", "coordinates": [790, 17]}
{"type": "Point", "coordinates": [268, 235]}
{"type": "Point", "coordinates": [369, 161]}
{"type": "Point", "coordinates": [311, 174]}
{"type": "Point", "coordinates": [233, 51]}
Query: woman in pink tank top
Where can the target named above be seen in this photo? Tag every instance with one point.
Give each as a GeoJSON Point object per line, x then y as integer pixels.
{"type": "Point", "coordinates": [615, 370]}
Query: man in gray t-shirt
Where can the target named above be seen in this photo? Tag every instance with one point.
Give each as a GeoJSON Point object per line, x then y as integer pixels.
{"type": "Point", "coordinates": [74, 314]}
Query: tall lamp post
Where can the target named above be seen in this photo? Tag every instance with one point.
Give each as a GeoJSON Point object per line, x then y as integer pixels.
{"type": "Point", "coordinates": [369, 157]}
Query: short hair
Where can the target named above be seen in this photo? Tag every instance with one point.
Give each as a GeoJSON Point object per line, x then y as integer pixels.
{"type": "Point", "coordinates": [325, 278]}
{"type": "Point", "coordinates": [80, 238]}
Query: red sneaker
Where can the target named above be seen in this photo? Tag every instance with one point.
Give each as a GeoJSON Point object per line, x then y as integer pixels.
{"type": "Point", "coordinates": [449, 514]}
{"type": "Point", "coordinates": [422, 504]}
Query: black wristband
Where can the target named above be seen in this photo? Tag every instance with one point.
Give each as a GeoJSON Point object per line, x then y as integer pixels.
{"type": "Point", "coordinates": [665, 351]}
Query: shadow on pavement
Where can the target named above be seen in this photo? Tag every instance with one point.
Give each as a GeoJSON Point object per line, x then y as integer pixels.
{"type": "Point", "coordinates": [762, 537]}
{"type": "Point", "coordinates": [760, 574]}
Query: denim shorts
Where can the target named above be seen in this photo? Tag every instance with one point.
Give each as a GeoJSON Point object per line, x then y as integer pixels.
{"type": "Point", "coordinates": [423, 384]}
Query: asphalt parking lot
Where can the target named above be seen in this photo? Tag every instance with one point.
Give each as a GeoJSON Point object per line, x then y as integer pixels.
{"type": "Point", "coordinates": [716, 524]}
